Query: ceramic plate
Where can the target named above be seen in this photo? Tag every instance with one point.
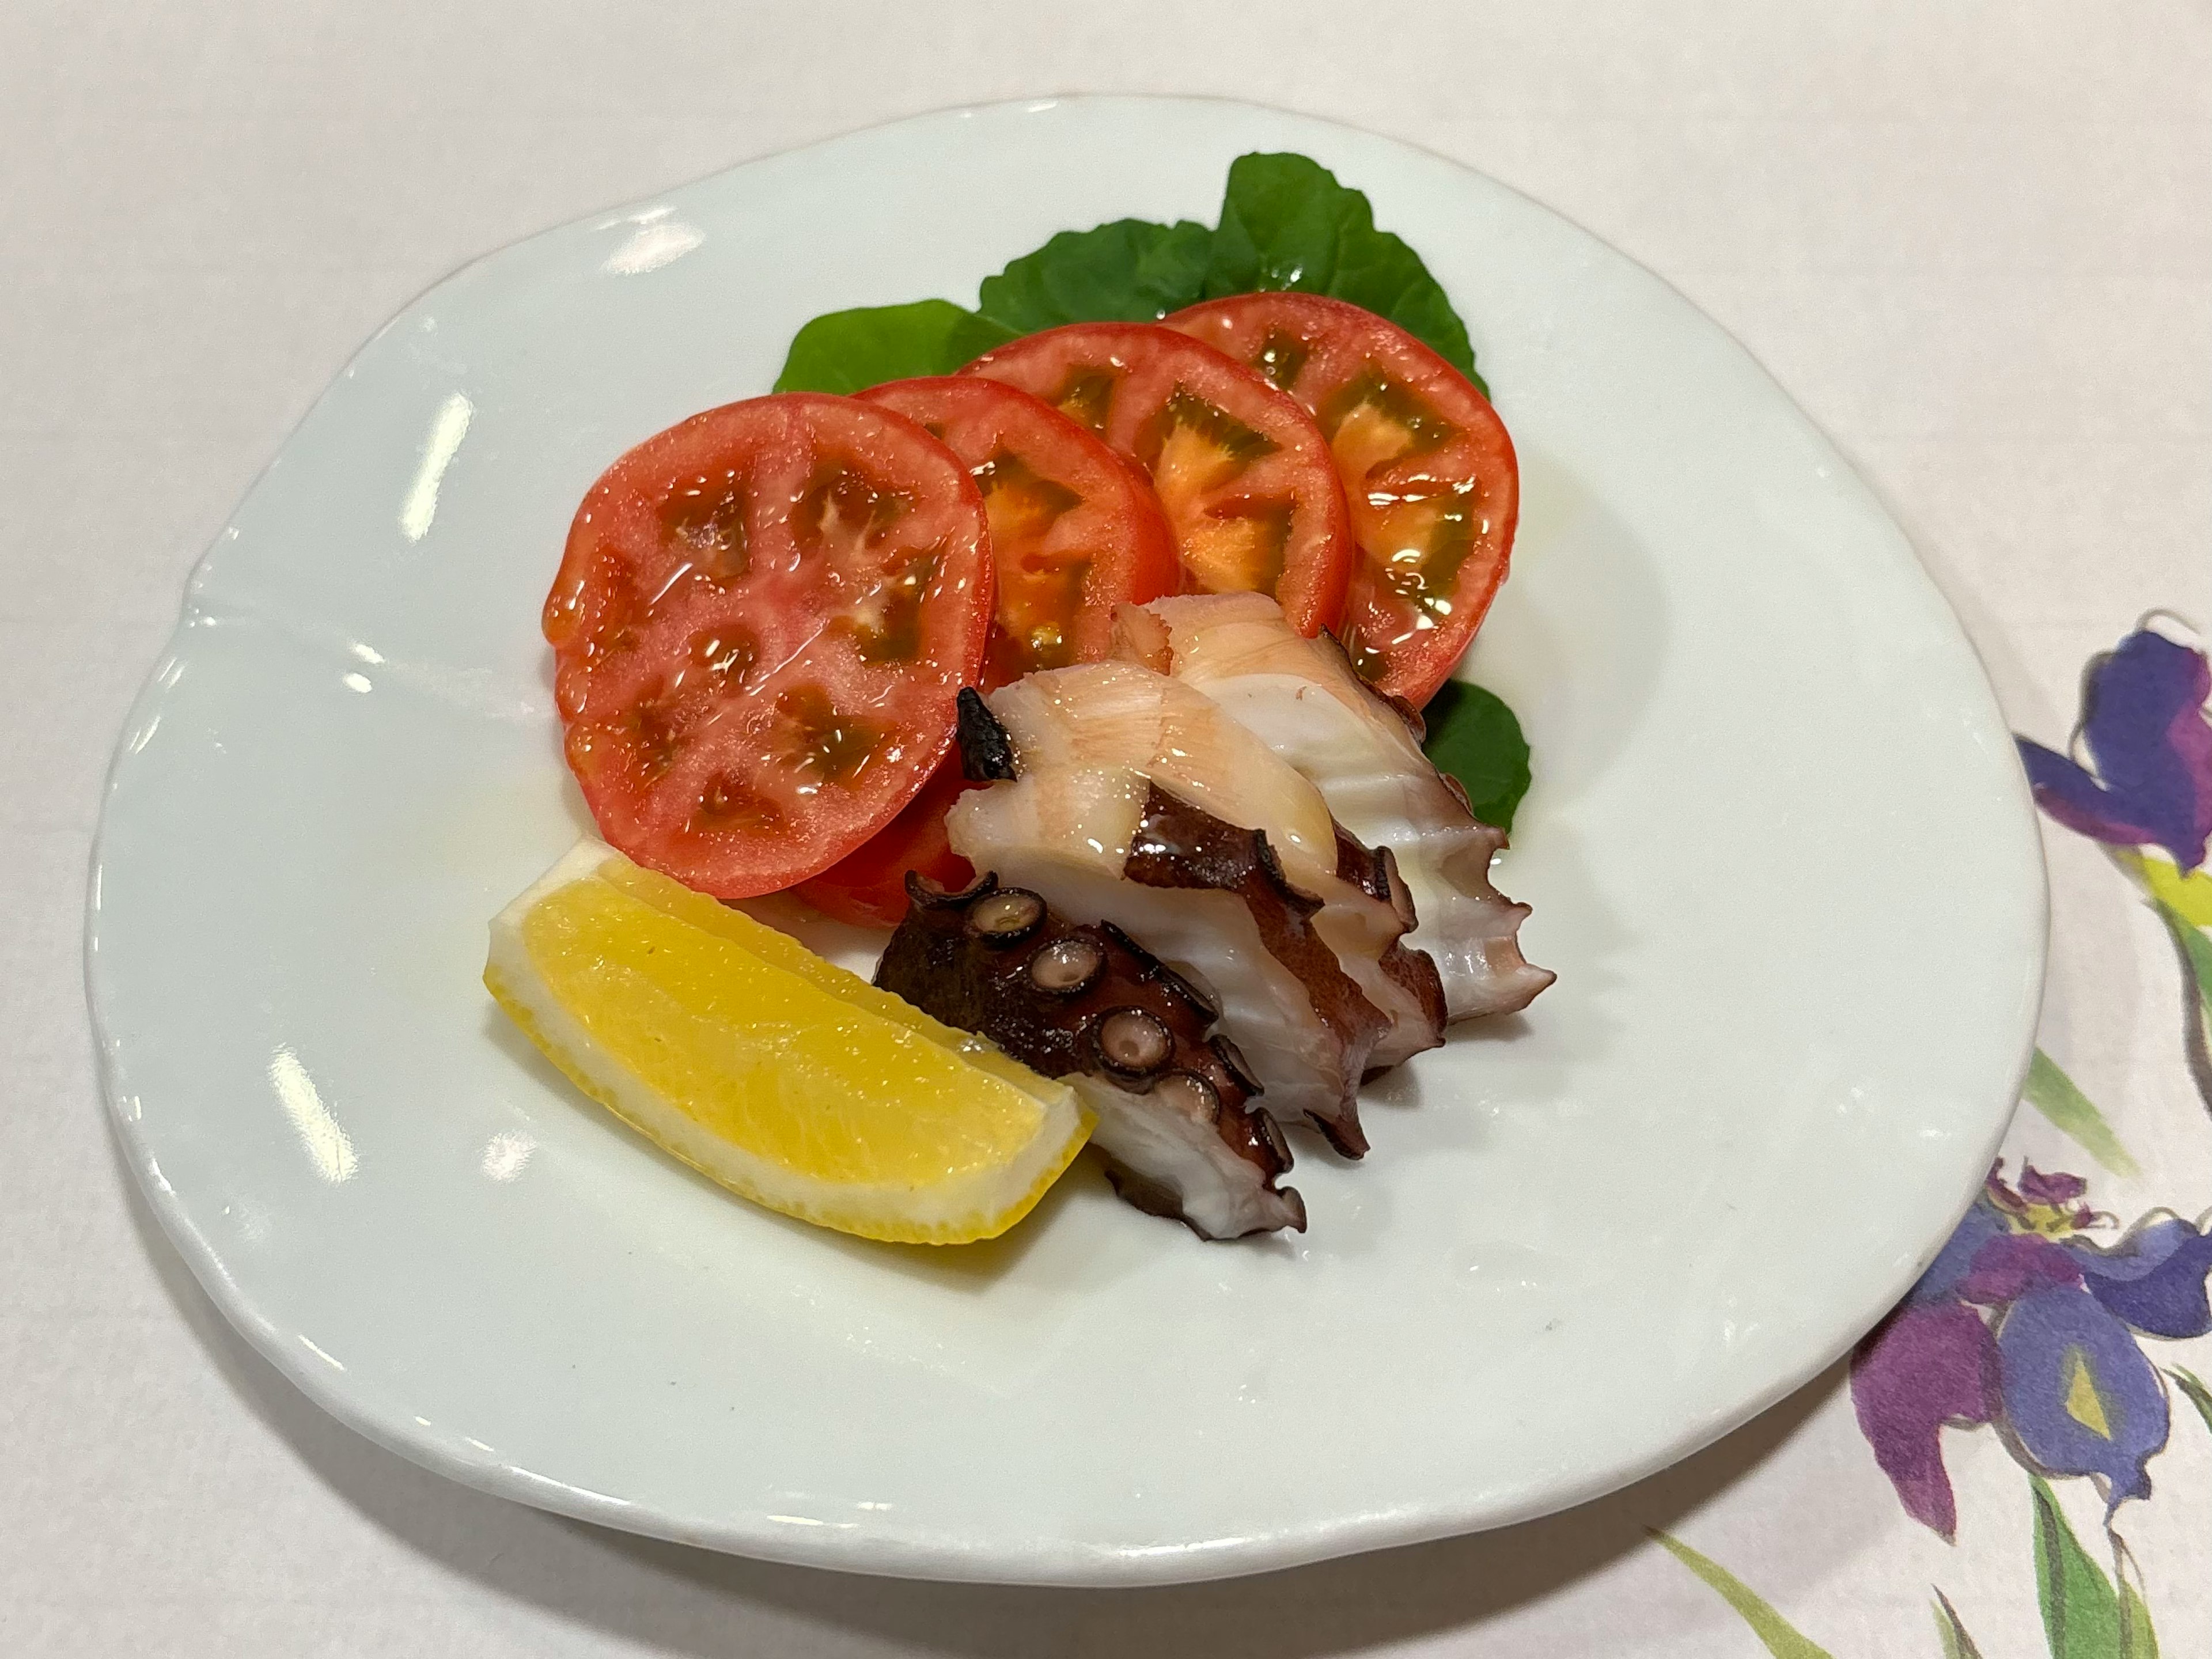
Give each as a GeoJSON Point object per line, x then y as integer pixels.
{"type": "Point", "coordinates": [1779, 848]}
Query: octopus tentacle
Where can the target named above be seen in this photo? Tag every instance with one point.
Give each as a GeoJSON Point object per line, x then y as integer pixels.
{"type": "Point", "coordinates": [1363, 751]}
{"type": "Point", "coordinates": [1139, 802]}
{"type": "Point", "coordinates": [1176, 1120]}
{"type": "Point", "coordinates": [1179, 846]}
{"type": "Point", "coordinates": [987, 753]}
{"type": "Point", "coordinates": [1405, 980]}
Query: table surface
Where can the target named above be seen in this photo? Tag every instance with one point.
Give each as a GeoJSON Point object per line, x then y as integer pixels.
{"type": "Point", "coordinates": [1973, 240]}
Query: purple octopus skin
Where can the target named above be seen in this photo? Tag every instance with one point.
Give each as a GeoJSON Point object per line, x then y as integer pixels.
{"type": "Point", "coordinates": [1178, 1125]}
{"type": "Point", "coordinates": [1216, 897]}
{"type": "Point", "coordinates": [1363, 751]}
{"type": "Point", "coordinates": [1374, 871]}
{"type": "Point", "coordinates": [1179, 845]}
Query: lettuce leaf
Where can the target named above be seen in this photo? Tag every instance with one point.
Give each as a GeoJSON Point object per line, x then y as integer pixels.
{"type": "Point", "coordinates": [849, 351]}
{"type": "Point", "coordinates": [1285, 223]}
{"type": "Point", "coordinates": [1473, 736]}
{"type": "Point", "coordinates": [1128, 271]}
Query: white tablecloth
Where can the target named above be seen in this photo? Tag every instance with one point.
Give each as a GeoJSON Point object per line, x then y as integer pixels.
{"type": "Point", "coordinates": [1975, 240]}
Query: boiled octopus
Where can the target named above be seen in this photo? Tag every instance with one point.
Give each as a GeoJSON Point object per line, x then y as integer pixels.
{"type": "Point", "coordinates": [1177, 1125]}
{"type": "Point", "coordinates": [1123, 796]}
{"type": "Point", "coordinates": [1363, 752]}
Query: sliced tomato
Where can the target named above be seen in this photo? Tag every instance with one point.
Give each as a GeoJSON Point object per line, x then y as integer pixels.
{"type": "Point", "coordinates": [1427, 467]}
{"type": "Point", "coordinates": [868, 887]}
{"type": "Point", "coordinates": [1244, 474]}
{"type": "Point", "coordinates": [1075, 530]}
{"type": "Point", "coordinates": [760, 622]}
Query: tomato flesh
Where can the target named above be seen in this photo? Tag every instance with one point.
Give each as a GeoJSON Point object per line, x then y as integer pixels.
{"type": "Point", "coordinates": [1427, 467]}
{"type": "Point", "coordinates": [1075, 531]}
{"type": "Point", "coordinates": [867, 886]}
{"type": "Point", "coordinates": [1242, 472]}
{"type": "Point", "coordinates": [761, 622]}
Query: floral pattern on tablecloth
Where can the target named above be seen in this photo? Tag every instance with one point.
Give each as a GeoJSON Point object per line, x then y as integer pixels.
{"type": "Point", "coordinates": [2048, 1321]}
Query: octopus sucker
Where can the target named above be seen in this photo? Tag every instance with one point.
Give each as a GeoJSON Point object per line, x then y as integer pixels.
{"type": "Point", "coordinates": [1176, 1124]}
{"type": "Point", "coordinates": [1137, 802]}
{"type": "Point", "coordinates": [1302, 699]}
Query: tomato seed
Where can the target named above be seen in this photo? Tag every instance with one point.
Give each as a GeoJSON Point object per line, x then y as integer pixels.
{"type": "Point", "coordinates": [886, 626]}
{"type": "Point", "coordinates": [1282, 355]}
{"type": "Point", "coordinates": [725, 654]}
{"type": "Point", "coordinates": [836, 747]}
{"type": "Point", "coordinates": [708, 515]}
{"type": "Point", "coordinates": [842, 512]}
{"type": "Point", "coordinates": [1237, 444]}
{"type": "Point", "coordinates": [1020, 502]}
{"type": "Point", "coordinates": [728, 803]}
{"type": "Point", "coordinates": [657, 734]}
{"type": "Point", "coordinates": [1087, 397]}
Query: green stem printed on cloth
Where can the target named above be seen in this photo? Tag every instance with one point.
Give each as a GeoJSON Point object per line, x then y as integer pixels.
{"type": "Point", "coordinates": [1770, 1627]}
{"type": "Point", "coordinates": [2184, 904]}
{"type": "Point", "coordinates": [2080, 1610]}
{"type": "Point", "coordinates": [2138, 1639]}
{"type": "Point", "coordinates": [1957, 1644]}
{"type": "Point", "coordinates": [2054, 1094]}
{"type": "Point", "coordinates": [2194, 1389]}
{"type": "Point", "coordinates": [2194, 950]}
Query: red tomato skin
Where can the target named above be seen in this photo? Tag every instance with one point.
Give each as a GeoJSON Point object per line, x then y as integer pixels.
{"type": "Point", "coordinates": [753, 683]}
{"type": "Point", "coordinates": [1341, 341]}
{"type": "Point", "coordinates": [868, 887]}
{"type": "Point", "coordinates": [1118, 524]}
{"type": "Point", "coordinates": [1146, 365]}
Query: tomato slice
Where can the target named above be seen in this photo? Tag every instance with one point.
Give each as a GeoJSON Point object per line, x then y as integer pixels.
{"type": "Point", "coordinates": [868, 887]}
{"type": "Point", "coordinates": [1075, 531]}
{"type": "Point", "coordinates": [1244, 474]}
{"type": "Point", "coordinates": [1427, 467]}
{"type": "Point", "coordinates": [760, 622]}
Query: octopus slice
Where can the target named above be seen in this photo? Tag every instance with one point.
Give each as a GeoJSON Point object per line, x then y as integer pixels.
{"type": "Point", "coordinates": [1411, 973]}
{"type": "Point", "coordinates": [1177, 1125]}
{"type": "Point", "coordinates": [1363, 753]}
{"type": "Point", "coordinates": [1114, 714]}
{"type": "Point", "coordinates": [1137, 801]}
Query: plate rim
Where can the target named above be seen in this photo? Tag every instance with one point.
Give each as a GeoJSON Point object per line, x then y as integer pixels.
{"type": "Point", "coordinates": [884, 1550]}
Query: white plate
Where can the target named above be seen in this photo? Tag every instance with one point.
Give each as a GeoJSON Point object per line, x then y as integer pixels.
{"type": "Point", "coordinates": [1779, 849]}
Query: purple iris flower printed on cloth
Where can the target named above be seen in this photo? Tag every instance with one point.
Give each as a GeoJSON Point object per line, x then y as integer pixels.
{"type": "Point", "coordinates": [2024, 1323]}
{"type": "Point", "coordinates": [2143, 726]}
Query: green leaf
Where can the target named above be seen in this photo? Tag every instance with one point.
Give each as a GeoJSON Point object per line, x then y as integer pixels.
{"type": "Point", "coordinates": [1473, 736]}
{"type": "Point", "coordinates": [1957, 1644]}
{"type": "Point", "coordinates": [2081, 1612]}
{"type": "Point", "coordinates": [2053, 1093]}
{"type": "Point", "coordinates": [2138, 1639]}
{"type": "Point", "coordinates": [848, 351]}
{"type": "Point", "coordinates": [1128, 271]}
{"type": "Point", "coordinates": [2193, 1388]}
{"type": "Point", "coordinates": [1768, 1625]}
{"type": "Point", "coordinates": [1287, 223]}
{"type": "Point", "coordinates": [2196, 947]}
{"type": "Point", "coordinates": [2194, 950]}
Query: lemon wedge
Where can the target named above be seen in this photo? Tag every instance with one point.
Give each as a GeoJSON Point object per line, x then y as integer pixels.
{"type": "Point", "coordinates": [787, 1079]}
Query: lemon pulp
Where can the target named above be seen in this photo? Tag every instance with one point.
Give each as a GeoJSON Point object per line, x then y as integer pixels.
{"type": "Point", "coordinates": [779, 1074]}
